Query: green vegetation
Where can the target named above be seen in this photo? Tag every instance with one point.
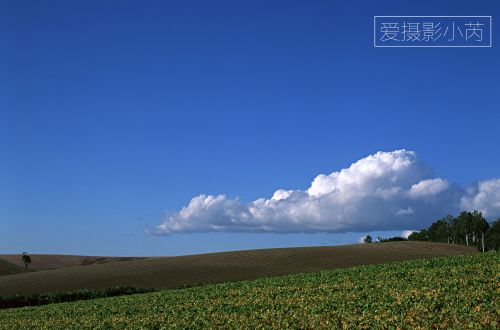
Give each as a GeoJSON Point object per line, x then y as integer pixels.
{"type": "Point", "coordinates": [469, 228]}
{"type": "Point", "coordinates": [449, 292]}
{"type": "Point", "coordinates": [391, 239]}
{"type": "Point", "coordinates": [58, 297]}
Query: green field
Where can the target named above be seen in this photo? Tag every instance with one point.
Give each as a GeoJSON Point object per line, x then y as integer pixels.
{"type": "Point", "coordinates": [454, 292]}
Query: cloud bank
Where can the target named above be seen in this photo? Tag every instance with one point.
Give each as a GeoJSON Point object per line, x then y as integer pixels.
{"type": "Point", "coordinates": [384, 191]}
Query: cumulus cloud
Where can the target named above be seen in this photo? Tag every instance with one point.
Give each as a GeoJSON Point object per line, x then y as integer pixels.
{"type": "Point", "coordinates": [407, 233]}
{"type": "Point", "coordinates": [429, 187]}
{"type": "Point", "coordinates": [384, 191]}
{"type": "Point", "coordinates": [483, 196]}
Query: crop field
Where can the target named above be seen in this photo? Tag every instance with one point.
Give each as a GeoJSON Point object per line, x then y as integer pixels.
{"type": "Point", "coordinates": [458, 292]}
{"type": "Point", "coordinates": [175, 272]}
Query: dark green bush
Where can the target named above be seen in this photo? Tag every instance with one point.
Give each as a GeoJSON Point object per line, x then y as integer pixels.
{"type": "Point", "coordinates": [391, 239]}
{"type": "Point", "coordinates": [58, 297]}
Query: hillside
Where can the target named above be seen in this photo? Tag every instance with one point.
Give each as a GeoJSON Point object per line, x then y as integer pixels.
{"type": "Point", "coordinates": [7, 268]}
{"type": "Point", "coordinates": [172, 272]}
{"type": "Point", "coordinates": [457, 292]}
{"type": "Point", "coordinates": [56, 261]}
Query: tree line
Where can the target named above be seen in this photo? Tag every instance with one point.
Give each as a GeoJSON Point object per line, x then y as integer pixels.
{"type": "Point", "coordinates": [468, 228]}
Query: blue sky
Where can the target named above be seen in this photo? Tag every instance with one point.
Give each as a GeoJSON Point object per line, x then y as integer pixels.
{"type": "Point", "coordinates": [113, 113]}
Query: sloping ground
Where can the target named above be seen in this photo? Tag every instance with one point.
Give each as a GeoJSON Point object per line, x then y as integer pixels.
{"type": "Point", "coordinates": [458, 292]}
{"type": "Point", "coordinates": [7, 268]}
{"type": "Point", "coordinates": [171, 272]}
{"type": "Point", "coordinates": [55, 261]}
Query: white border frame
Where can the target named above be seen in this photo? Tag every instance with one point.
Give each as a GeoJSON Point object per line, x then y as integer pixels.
{"type": "Point", "coordinates": [415, 46]}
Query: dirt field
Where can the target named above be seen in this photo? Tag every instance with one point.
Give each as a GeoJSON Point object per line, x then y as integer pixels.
{"type": "Point", "coordinates": [55, 261]}
{"type": "Point", "coordinates": [171, 272]}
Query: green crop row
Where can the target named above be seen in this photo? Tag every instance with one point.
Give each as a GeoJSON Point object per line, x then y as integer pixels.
{"type": "Point", "coordinates": [460, 292]}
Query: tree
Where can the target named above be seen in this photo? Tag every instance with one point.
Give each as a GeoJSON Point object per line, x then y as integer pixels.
{"type": "Point", "coordinates": [464, 227]}
{"type": "Point", "coordinates": [422, 235]}
{"type": "Point", "coordinates": [439, 231]}
{"type": "Point", "coordinates": [480, 227]}
{"type": "Point", "coordinates": [454, 231]}
{"type": "Point", "coordinates": [451, 222]}
{"type": "Point", "coordinates": [492, 236]}
{"type": "Point", "coordinates": [469, 228]}
{"type": "Point", "coordinates": [368, 239]}
{"type": "Point", "coordinates": [26, 259]}
{"type": "Point", "coordinates": [392, 239]}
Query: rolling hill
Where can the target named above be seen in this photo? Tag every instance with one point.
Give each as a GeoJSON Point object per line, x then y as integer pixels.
{"type": "Point", "coordinates": [454, 292]}
{"type": "Point", "coordinates": [56, 261]}
{"type": "Point", "coordinates": [172, 272]}
{"type": "Point", "coordinates": [6, 268]}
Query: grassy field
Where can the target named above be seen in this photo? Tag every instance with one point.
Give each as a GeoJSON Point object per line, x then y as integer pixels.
{"type": "Point", "coordinates": [174, 272]}
{"type": "Point", "coordinates": [459, 292]}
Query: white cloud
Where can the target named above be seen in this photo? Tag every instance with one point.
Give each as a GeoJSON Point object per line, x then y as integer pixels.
{"type": "Point", "coordinates": [385, 191]}
{"type": "Point", "coordinates": [407, 211]}
{"type": "Point", "coordinates": [429, 187]}
{"type": "Point", "coordinates": [483, 196]}
{"type": "Point", "coordinates": [362, 239]}
{"type": "Point", "coordinates": [407, 233]}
